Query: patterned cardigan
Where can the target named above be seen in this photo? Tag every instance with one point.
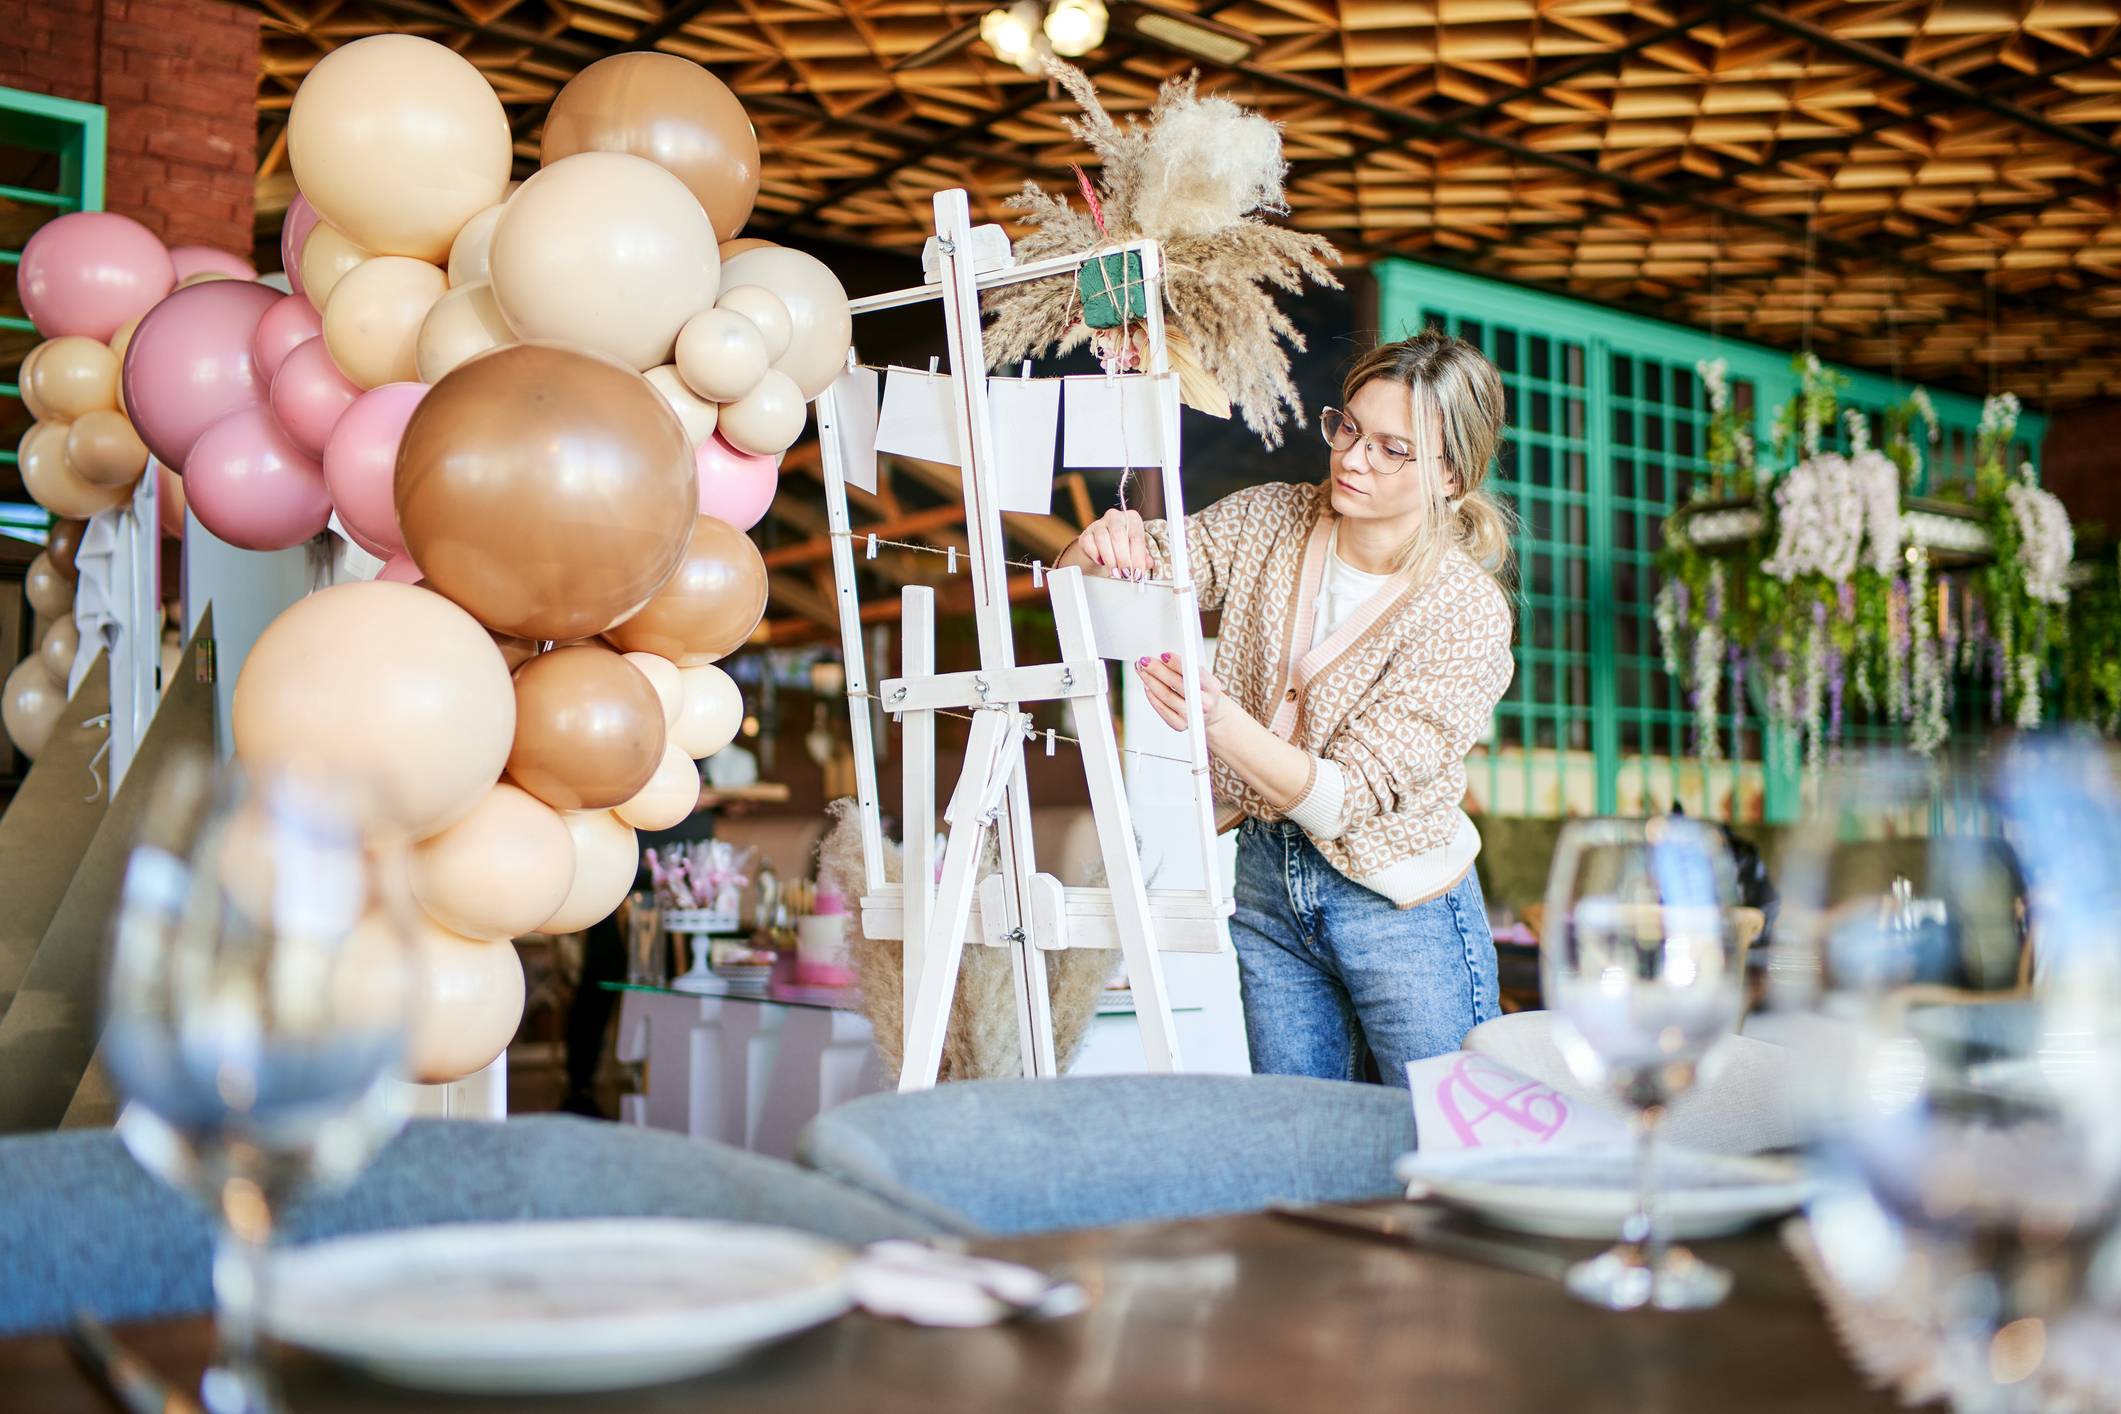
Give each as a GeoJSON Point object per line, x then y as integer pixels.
{"type": "Point", "coordinates": [1388, 705]}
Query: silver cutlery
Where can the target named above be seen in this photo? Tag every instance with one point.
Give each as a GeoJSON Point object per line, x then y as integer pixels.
{"type": "Point", "coordinates": [1422, 1230]}
{"type": "Point", "coordinates": [129, 1377]}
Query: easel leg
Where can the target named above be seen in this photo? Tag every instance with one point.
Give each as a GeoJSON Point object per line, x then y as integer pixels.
{"type": "Point", "coordinates": [917, 853]}
{"type": "Point", "coordinates": [1034, 999]}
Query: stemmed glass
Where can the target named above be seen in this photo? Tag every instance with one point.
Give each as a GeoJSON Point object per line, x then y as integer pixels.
{"type": "Point", "coordinates": [1947, 946]}
{"type": "Point", "coordinates": [1643, 969]}
{"type": "Point", "coordinates": [256, 1011]}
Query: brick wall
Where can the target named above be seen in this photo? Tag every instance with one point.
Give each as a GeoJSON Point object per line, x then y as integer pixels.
{"type": "Point", "coordinates": [179, 78]}
{"type": "Point", "coordinates": [2081, 462]}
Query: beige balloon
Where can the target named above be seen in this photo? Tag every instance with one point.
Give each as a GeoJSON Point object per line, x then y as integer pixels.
{"type": "Point", "coordinates": [200, 277]}
{"type": "Point", "coordinates": [500, 871]}
{"type": "Point", "coordinates": [823, 325]}
{"type": "Point", "coordinates": [663, 676]}
{"type": "Point", "coordinates": [372, 323]}
{"type": "Point", "coordinates": [606, 857]}
{"type": "Point", "coordinates": [60, 645]}
{"type": "Point", "coordinates": [398, 141]}
{"type": "Point", "coordinates": [50, 593]}
{"type": "Point", "coordinates": [119, 343]}
{"type": "Point", "coordinates": [103, 447]}
{"type": "Point", "coordinates": [712, 711]}
{"type": "Point", "coordinates": [765, 309]}
{"type": "Point", "coordinates": [722, 355]}
{"type": "Point", "coordinates": [471, 253]}
{"type": "Point", "coordinates": [327, 258]}
{"type": "Point", "coordinates": [75, 376]}
{"type": "Point", "coordinates": [730, 250]}
{"type": "Point", "coordinates": [464, 323]}
{"type": "Point", "coordinates": [26, 380]}
{"type": "Point", "coordinates": [52, 481]}
{"type": "Point", "coordinates": [696, 413]}
{"type": "Point", "coordinates": [768, 419]}
{"type": "Point", "coordinates": [608, 252]}
{"type": "Point", "coordinates": [467, 1002]}
{"type": "Point", "coordinates": [670, 796]}
{"type": "Point", "coordinates": [30, 706]}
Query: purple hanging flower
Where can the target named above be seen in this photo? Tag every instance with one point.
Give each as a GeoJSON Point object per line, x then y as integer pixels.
{"type": "Point", "coordinates": [1682, 599]}
{"type": "Point", "coordinates": [1848, 601]}
{"type": "Point", "coordinates": [1836, 683]}
{"type": "Point", "coordinates": [1714, 607]}
{"type": "Point", "coordinates": [1896, 614]}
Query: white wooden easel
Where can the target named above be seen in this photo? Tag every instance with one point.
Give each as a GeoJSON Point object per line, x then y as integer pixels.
{"type": "Point", "coordinates": [1019, 908]}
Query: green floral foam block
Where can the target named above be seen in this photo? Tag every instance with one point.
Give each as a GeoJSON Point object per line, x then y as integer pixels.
{"type": "Point", "coordinates": [1112, 290]}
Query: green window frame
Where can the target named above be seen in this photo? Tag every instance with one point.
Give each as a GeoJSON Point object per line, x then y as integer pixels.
{"type": "Point", "coordinates": [1606, 433]}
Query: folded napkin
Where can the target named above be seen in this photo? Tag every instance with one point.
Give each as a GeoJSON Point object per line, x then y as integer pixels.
{"type": "Point", "coordinates": [927, 1286]}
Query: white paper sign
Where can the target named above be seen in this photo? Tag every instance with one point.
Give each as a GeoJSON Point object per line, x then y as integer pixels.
{"type": "Point", "coordinates": [919, 417]}
{"type": "Point", "coordinates": [1133, 621]}
{"type": "Point", "coordinates": [1025, 415]}
{"type": "Point", "coordinates": [854, 412]}
{"type": "Point", "coordinates": [1115, 420]}
{"type": "Point", "coordinates": [1467, 1101]}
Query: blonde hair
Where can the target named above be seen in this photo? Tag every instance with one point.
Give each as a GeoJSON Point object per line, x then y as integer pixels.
{"type": "Point", "coordinates": [1452, 384]}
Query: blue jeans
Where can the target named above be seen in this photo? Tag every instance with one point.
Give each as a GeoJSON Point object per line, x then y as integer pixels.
{"type": "Point", "coordinates": [1328, 966]}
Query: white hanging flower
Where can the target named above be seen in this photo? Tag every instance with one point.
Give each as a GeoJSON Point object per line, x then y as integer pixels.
{"type": "Point", "coordinates": [1875, 482]}
{"type": "Point", "coordinates": [1921, 399]}
{"type": "Point", "coordinates": [1820, 528]}
{"type": "Point", "coordinates": [1999, 415]}
{"type": "Point", "coordinates": [1716, 381]}
{"type": "Point", "coordinates": [2028, 692]}
{"type": "Point", "coordinates": [1859, 426]}
{"type": "Point", "coordinates": [2047, 544]}
{"type": "Point", "coordinates": [1667, 612]}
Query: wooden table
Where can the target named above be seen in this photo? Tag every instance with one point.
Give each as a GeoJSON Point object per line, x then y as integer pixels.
{"type": "Point", "coordinates": [1248, 1313]}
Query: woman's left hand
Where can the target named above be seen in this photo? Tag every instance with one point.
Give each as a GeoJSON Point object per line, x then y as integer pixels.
{"type": "Point", "coordinates": [1166, 689]}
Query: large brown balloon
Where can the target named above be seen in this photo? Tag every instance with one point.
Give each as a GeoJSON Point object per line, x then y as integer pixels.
{"type": "Point", "coordinates": [709, 607]}
{"type": "Point", "coordinates": [589, 729]}
{"type": "Point", "coordinates": [672, 112]}
{"type": "Point", "coordinates": [63, 544]}
{"type": "Point", "coordinates": [547, 490]}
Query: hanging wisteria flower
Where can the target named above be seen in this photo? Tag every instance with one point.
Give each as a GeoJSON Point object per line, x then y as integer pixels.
{"type": "Point", "coordinates": [1670, 609]}
{"type": "Point", "coordinates": [1859, 425]}
{"type": "Point", "coordinates": [2028, 692]}
{"type": "Point", "coordinates": [1928, 726]}
{"type": "Point", "coordinates": [1715, 381]}
{"type": "Point", "coordinates": [1999, 416]}
{"type": "Point", "coordinates": [1820, 526]}
{"type": "Point", "coordinates": [1876, 483]}
{"type": "Point", "coordinates": [2047, 544]}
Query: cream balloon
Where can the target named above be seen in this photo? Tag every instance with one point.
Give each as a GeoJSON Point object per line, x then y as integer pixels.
{"type": "Point", "coordinates": [766, 420]}
{"type": "Point", "coordinates": [119, 343]}
{"type": "Point", "coordinates": [662, 675]}
{"type": "Point", "coordinates": [464, 323]}
{"type": "Point", "coordinates": [608, 252]}
{"type": "Point", "coordinates": [372, 322]}
{"type": "Point", "coordinates": [468, 1002]}
{"type": "Point", "coordinates": [500, 871]}
{"type": "Point", "coordinates": [398, 141]}
{"type": "Point", "coordinates": [606, 857]}
{"type": "Point", "coordinates": [327, 257]}
{"type": "Point", "coordinates": [30, 706]}
{"type": "Point", "coordinates": [103, 447]}
{"type": "Point", "coordinates": [60, 645]}
{"type": "Point", "coordinates": [670, 796]}
{"type": "Point", "coordinates": [52, 481]}
{"type": "Point", "coordinates": [722, 355]}
{"type": "Point", "coordinates": [75, 376]}
{"type": "Point", "coordinates": [200, 277]}
{"type": "Point", "coordinates": [696, 413]}
{"type": "Point", "coordinates": [471, 253]}
{"type": "Point", "coordinates": [822, 324]}
{"type": "Point", "coordinates": [49, 592]}
{"type": "Point", "coordinates": [26, 379]}
{"type": "Point", "coordinates": [765, 309]}
{"type": "Point", "coordinates": [712, 711]}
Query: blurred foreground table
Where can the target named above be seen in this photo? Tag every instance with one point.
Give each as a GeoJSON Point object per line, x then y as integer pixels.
{"type": "Point", "coordinates": [1247, 1313]}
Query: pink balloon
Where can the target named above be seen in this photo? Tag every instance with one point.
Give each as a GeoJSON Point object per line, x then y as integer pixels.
{"type": "Point", "coordinates": [89, 272]}
{"type": "Point", "coordinates": [169, 500]}
{"type": "Point", "coordinates": [295, 226]}
{"type": "Point", "coordinates": [190, 260]}
{"type": "Point", "coordinates": [381, 552]}
{"type": "Point", "coordinates": [252, 486]}
{"type": "Point", "coordinates": [400, 569]}
{"type": "Point", "coordinates": [361, 462]}
{"type": "Point", "coordinates": [190, 365]}
{"type": "Point", "coordinates": [292, 322]}
{"type": "Point", "coordinates": [735, 486]}
{"type": "Point", "coordinates": [310, 395]}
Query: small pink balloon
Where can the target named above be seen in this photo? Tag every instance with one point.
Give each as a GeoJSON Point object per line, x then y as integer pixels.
{"type": "Point", "coordinates": [189, 364]}
{"type": "Point", "coordinates": [252, 486]}
{"type": "Point", "coordinates": [295, 226]}
{"type": "Point", "coordinates": [381, 552]}
{"type": "Point", "coordinates": [735, 486]}
{"type": "Point", "coordinates": [310, 395]}
{"type": "Point", "coordinates": [361, 462]}
{"type": "Point", "coordinates": [169, 500]}
{"type": "Point", "coordinates": [88, 272]}
{"type": "Point", "coordinates": [400, 569]}
{"type": "Point", "coordinates": [289, 324]}
{"type": "Point", "coordinates": [193, 260]}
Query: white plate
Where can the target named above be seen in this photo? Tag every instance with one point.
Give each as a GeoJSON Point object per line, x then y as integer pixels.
{"type": "Point", "coordinates": [506, 1308]}
{"type": "Point", "coordinates": [1590, 1192]}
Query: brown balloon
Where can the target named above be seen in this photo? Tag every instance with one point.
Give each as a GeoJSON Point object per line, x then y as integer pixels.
{"type": "Point", "coordinates": [589, 729]}
{"type": "Point", "coordinates": [547, 490]}
{"type": "Point", "coordinates": [104, 448]}
{"type": "Point", "coordinates": [709, 607]}
{"type": "Point", "coordinates": [63, 544]}
{"type": "Point", "coordinates": [672, 112]}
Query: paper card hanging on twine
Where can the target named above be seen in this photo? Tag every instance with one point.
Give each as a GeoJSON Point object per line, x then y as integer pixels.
{"type": "Point", "coordinates": [1026, 417]}
{"type": "Point", "coordinates": [918, 417]}
{"type": "Point", "coordinates": [854, 426]}
{"type": "Point", "coordinates": [1114, 420]}
{"type": "Point", "coordinates": [1133, 621]}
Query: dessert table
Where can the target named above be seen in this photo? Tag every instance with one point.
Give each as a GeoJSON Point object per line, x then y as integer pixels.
{"type": "Point", "coordinates": [1225, 1314]}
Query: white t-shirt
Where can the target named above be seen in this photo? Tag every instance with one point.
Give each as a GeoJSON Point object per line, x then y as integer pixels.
{"type": "Point", "coordinates": [1345, 590]}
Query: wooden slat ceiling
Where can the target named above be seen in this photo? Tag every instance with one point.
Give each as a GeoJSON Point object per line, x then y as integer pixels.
{"type": "Point", "coordinates": [1920, 186]}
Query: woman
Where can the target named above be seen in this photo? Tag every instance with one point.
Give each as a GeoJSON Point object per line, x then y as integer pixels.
{"type": "Point", "coordinates": [1365, 641]}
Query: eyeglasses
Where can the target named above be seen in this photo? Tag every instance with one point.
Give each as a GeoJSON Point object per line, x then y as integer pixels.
{"type": "Point", "coordinates": [1388, 456]}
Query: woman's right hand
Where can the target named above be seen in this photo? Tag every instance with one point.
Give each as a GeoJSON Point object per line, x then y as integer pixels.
{"type": "Point", "coordinates": [1117, 543]}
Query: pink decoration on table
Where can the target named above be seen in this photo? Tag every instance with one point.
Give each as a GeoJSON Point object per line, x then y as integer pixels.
{"type": "Point", "coordinates": [735, 486]}
{"type": "Point", "coordinates": [288, 325]}
{"type": "Point", "coordinates": [252, 486]}
{"type": "Point", "coordinates": [1475, 1091]}
{"type": "Point", "coordinates": [191, 260]}
{"type": "Point", "coordinates": [189, 364]}
{"type": "Point", "coordinates": [90, 272]}
{"type": "Point", "coordinates": [400, 569]}
{"type": "Point", "coordinates": [169, 500]}
{"type": "Point", "coordinates": [310, 395]}
{"type": "Point", "coordinates": [295, 226]}
{"type": "Point", "coordinates": [361, 463]}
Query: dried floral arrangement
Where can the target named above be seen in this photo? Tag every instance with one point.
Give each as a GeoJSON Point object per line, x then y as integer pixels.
{"type": "Point", "coordinates": [1197, 177]}
{"type": "Point", "coordinates": [1833, 612]}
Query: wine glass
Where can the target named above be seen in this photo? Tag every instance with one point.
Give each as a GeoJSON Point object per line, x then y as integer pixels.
{"type": "Point", "coordinates": [1947, 942]}
{"type": "Point", "coordinates": [1643, 969]}
{"type": "Point", "coordinates": [256, 1013]}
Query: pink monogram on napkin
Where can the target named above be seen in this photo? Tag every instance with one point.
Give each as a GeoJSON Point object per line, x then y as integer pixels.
{"type": "Point", "coordinates": [1466, 1101]}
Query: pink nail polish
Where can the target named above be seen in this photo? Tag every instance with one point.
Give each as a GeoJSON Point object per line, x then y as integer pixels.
{"type": "Point", "coordinates": [1167, 657]}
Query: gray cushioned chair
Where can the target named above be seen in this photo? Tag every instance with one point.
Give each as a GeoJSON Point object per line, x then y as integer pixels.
{"type": "Point", "coordinates": [1016, 1156]}
{"type": "Point", "coordinates": [81, 1224]}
